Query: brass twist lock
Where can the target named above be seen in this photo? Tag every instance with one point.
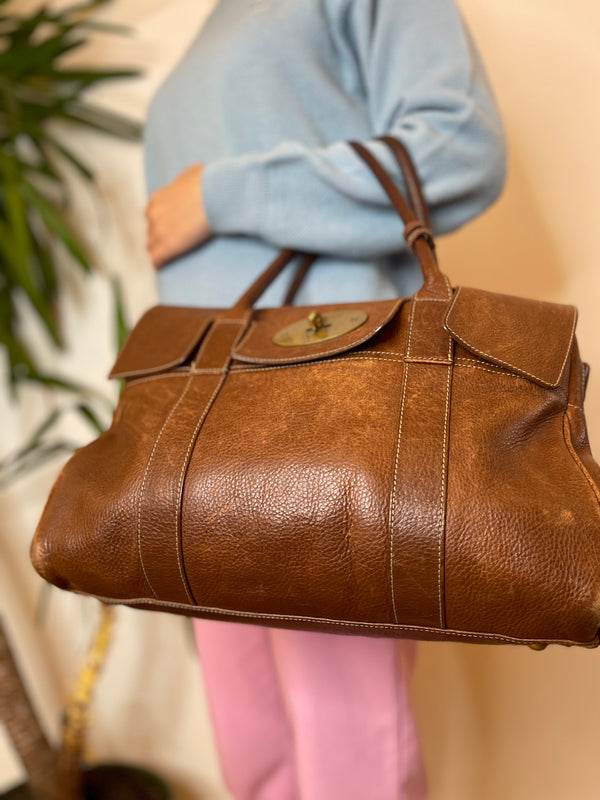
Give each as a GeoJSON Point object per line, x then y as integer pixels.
{"type": "Point", "coordinates": [316, 320]}
{"type": "Point", "coordinates": [320, 327]}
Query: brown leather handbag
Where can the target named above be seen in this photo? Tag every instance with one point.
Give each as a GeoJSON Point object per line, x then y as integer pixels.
{"type": "Point", "coordinates": [416, 467]}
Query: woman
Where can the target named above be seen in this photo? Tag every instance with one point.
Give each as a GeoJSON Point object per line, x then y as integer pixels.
{"type": "Point", "coordinates": [246, 153]}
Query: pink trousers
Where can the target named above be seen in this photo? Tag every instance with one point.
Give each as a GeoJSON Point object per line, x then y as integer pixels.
{"type": "Point", "coordinates": [311, 716]}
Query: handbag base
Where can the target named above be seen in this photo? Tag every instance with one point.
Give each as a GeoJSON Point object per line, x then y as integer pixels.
{"type": "Point", "coordinates": [340, 626]}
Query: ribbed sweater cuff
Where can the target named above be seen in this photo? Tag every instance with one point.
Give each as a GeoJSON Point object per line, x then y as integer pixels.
{"type": "Point", "coordinates": [235, 194]}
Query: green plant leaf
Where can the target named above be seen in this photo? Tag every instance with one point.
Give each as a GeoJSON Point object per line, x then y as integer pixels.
{"type": "Point", "coordinates": [35, 458]}
{"type": "Point", "coordinates": [102, 120]}
{"type": "Point", "coordinates": [121, 326]}
{"type": "Point", "coordinates": [47, 271]}
{"type": "Point", "coordinates": [16, 248]}
{"type": "Point", "coordinates": [87, 412]}
{"type": "Point", "coordinates": [55, 223]}
{"type": "Point", "coordinates": [68, 155]}
{"type": "Point", "coordinates": [88, 77]}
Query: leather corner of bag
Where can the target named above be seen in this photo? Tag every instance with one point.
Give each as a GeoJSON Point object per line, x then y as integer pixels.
{"type": "Point", "coordinates": [532, 338]}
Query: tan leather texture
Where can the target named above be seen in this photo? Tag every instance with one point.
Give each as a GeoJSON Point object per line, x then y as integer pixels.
{"type": "Point", "coordinates": [426, 475]}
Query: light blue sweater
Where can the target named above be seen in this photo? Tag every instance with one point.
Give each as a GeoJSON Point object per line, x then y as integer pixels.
{"type": "Point", "coordinates": [268, 95]}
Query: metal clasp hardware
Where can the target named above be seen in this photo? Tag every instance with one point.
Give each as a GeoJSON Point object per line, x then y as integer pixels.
{"type": "Point", "coordinates": [321, 327]}
{"type": "Point", "coordinates": [316, 320]}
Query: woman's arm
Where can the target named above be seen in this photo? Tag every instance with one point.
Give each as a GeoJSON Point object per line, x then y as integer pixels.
{"type": "Point", "coordinates": [426, 85]}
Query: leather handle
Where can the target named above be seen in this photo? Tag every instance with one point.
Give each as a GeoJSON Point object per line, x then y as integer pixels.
{"type": "Point", "coordinates": [417, 234]}
{"type": "Point", "coordinates": [411, 179]}
{"type": "Point", "coordinates": [415, 196]}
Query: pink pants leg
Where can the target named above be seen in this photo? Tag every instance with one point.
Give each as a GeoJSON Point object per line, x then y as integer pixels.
{"type": "Point", "coordinates": [311, 716]}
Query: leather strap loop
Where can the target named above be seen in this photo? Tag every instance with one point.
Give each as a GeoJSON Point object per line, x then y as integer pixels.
{"type": "Point", "coordinates": [414, 230]}
{"type": "Point", "coordinates": [415, 195]}
{"type": "Point", "coordinates": [421, 238]}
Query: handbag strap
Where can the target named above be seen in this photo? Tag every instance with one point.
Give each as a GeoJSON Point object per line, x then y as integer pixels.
{"type": "Point", "coordinates": [415, 195]}
{"type": "Point", "coordinates": [417, 235]}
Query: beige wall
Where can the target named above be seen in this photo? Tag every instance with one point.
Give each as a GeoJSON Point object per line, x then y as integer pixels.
{"type": "Point", "coordinates": [503, 722]}
{"type": "Point", "coordinates": [496, 722]}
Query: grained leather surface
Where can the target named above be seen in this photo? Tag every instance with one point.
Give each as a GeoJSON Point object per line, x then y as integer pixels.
{"type": "Point", "coordinates": [428, 475]}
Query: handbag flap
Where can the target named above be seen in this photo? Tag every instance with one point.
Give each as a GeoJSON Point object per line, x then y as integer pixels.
{"type": "Point", "coordinates": [162, 338]}
{"type": "Point", "coordinates": [531, 337]}
{"type": "Point", "coordinates": [257, 345]}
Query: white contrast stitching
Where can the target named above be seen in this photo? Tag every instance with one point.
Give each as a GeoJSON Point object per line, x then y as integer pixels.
{"type": "Point", "coordinates": [235, 369]}
{"type": "Point", "coordinates": [477, 361]}
{"type": "Point", "coordinates": [167, 364]}
{"type": "Point", "coordinates": [496, 372]}
{"type": "Point", "coordinates": [191, 444]}
{"type": "Point", "coordinates": [443, 488]}
{"type": "Point", "coordinates": [395, 481]}
{"type": "Point", "coordinates": [430, 299]}
{"type": "Point", "coordinates": [383, 352]}
{"type": "Point", "coordinates": [447, 282]}
{"type": "Point", "coordinates": [164, 425]}
{"type": "Point", "coordinates": [180, 484]}
{"type": "Point", "coordinates": [437, 299]}
{"type": "Point", "coordinates": [447, 632]}
{"type": "Point", "coordinates": [420, 359]}
{"type": "Point", "coordinates": [507, 363]}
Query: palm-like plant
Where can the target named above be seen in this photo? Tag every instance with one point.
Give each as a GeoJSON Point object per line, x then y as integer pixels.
{"type": "Point", "coordinates": [34, 91]}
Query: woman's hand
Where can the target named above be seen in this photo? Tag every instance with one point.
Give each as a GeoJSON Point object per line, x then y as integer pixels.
{"type": "Point", "coordinates": [176, 217]}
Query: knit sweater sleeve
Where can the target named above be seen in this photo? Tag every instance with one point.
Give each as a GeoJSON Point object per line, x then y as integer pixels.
{"type": "Point", "coordinates": [424, 83]}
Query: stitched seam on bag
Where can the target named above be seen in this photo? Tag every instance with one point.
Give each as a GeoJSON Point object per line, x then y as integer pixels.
{"type": "Point", "coordinates": [437, 299]}
{"type": "Point", "coordinates": [507, 363]}
{"type": "Point", "coordinates": [207, 407]}
{"type": "Point", "coordinates": [498, 372]}
{"type": "Point", "coordinates": [443, 488]}
{"type": "Point", "coordinates": [481, 361]}
{"type": "Point", "coordinates": [166, 364]}
{"type": "Point", "coordinates": [219, 320]}
{"type": "Point", "coordinates": [184, 465]}
{"type": "Point", "coordinates": [430, 299]}
{"type": "Point", "coordinates": [234, 370]}
{"type": "Point", "coordinates": [312, 363]}
{"type": "Point", "coordinates": [395, 480]}
{"type": "Point", "coordinates": [208, 336]}
{"type": "Point", "coordinates": [164, 425]}
{"type": "Point", "coordinates": [578, 461]}
{"type": "Point", "coordinates": [186, 587]}
{"type": "Point", "coordinates": [345, 623]}
{"type": "Point", "coordinates": [447, 282]}
{"type": "Point", "coordinates": [422, 359]}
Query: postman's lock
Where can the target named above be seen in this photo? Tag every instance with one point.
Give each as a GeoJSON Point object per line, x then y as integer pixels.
{"type": "Point", "coordinates": [319, 327]}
